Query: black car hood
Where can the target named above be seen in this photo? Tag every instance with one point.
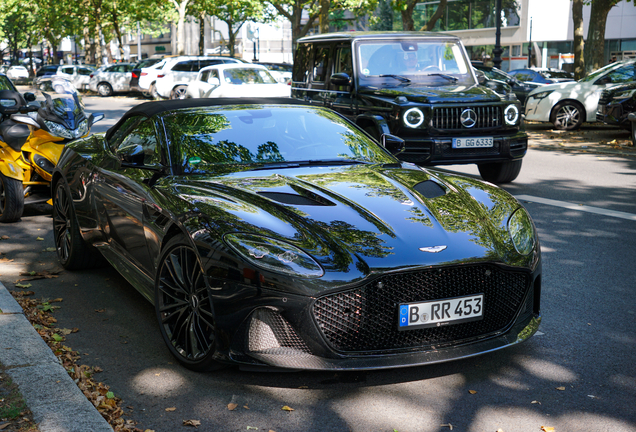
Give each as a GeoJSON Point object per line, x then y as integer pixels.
{"type": "Point", "coordinates": [433, 94]}
{"type": "Point", "coordinates": [358, 220]}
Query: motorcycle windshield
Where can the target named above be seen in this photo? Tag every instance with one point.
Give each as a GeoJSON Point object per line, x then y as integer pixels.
{"type": "Point", "coordinates": [63, 104]}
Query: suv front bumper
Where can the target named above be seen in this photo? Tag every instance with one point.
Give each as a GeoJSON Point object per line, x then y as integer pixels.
{"type": "Point", "coordinates": [440, 151]}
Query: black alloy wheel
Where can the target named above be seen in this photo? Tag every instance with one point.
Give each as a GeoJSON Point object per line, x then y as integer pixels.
{"type": "Point", "coordinates": [568, 115]}
{"type": "Point", "coordinates": [184, 307]}
{"type": "Point", "coordinates": [72, 251]}
{"type": "Point", "coordinates": [11, 199]}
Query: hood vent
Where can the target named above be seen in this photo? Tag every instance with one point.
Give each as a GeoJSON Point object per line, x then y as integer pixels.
{"type": "Point", "coordinates": [293, 199]}
{"type": "Point", "coordinates": [430, 189]}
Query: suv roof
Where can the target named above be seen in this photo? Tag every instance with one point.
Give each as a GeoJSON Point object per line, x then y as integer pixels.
{"type": "Point", "coordinates": [348, 36]}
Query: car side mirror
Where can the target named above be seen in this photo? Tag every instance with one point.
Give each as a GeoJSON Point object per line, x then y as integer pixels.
{"type": "Point", "coordinates": [94, 118]}
{"type": "Point", "coordinates": [481, 77]}
{"type": "Point", "coordinates": [340, 79]}
{"type": "Point", "coordinates": [29, 97]}
{"type": "Point", "coordinates": [132, 155]}
{"type": "Point", "coordinates": [214, 81]}
{"type": "Point", "coordinates": [394, 144]}
{"type": "Point", "coordinates": [604, 80]}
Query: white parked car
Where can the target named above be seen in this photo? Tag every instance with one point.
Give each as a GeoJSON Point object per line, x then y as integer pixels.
{"type": "Point", "coordinates": [568, 105]}
{"type": "Point", "coordinates": [110, 79]}
{"type": "Point", "coordinates": [236, 80]}
{"type": "Point", "coordinates": [281, 71]}
{"type": "Point", "coordinates": [18, 74]}
{"type": "Point", "coordinates": [79, 75]}
{"type": "Point", "coordinates": [170, 77]}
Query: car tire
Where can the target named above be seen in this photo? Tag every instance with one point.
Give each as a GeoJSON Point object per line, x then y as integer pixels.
{"type": "Point", "coordinates": [500, 172]}
{"type": "Point", "coordinates": [183, 306]}
{"type": "Point", "coordinates": [11, 199]}
{"type": "Point", "coordinates": [104, 89]}
{"type": "Point", "coordinates": [72, 251]}
{"type": "Point", "coordinates": [567, 115]}
{"type": "Point", "coordinates": [153, 92]}
{"type": "Point", "coordinates": [179, 92]}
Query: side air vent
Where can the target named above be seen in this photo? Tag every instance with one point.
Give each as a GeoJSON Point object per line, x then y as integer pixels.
{"type": "Point", "coordinates": [429, 189]}
{"type": "Point", "coordinates": [293, 199]}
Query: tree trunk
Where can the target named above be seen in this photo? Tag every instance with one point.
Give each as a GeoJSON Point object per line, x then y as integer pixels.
{"type": "Point", "coordinates": [407, 16]}
{"type": "Point", "coordinates": [118, 32]}
{"type": "Point", "coordinates": [595, 45]}
{"type": "Point", "coordinates": [182, 9]}
{"type": "Point", "coordinates": [202, 33]}
{"type": "Point", "coordinates": [579, 43]}
{"type": "Point", "coordinates": [441, 8]}
{"type": "Point", "coordinates": [324, 16]}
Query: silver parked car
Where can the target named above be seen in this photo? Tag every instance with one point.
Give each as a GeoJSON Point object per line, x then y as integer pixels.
{"type": "Point", "coordinates": [111, 79]}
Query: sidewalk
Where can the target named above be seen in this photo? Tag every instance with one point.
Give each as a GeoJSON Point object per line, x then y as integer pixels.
{"type": "Point", "coordinates": [591, 138]}
{"type": "Point", "coordinates": [56, 402]}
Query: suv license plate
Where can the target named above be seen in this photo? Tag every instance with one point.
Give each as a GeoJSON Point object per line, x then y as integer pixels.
{"type": "Point", "coordinates": [461, 143]}
{"type": "Point", "coordinates": [438, 313]}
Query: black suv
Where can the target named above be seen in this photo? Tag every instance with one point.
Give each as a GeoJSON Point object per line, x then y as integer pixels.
{"type": "Point", "coordinates": [420, 87]}
{"type": "Point", "coordinates": [616, 103]}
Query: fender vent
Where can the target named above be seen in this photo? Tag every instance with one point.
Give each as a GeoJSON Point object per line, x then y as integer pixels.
{"type": "Point", "coordinates": [430, 189]}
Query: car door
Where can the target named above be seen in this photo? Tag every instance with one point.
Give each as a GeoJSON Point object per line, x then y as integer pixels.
{"type": "Point", "coordinates": [68, 72]}
{"type": "Point", "coordinates": [122, 192]}
{"type": "Point", "coordinates": [341, 98]}
{"type": "Point", "coordinates": [119, 77]}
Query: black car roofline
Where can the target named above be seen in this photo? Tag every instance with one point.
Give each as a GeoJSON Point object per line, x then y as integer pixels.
{"type": "Point", "coordinates": [149, 109]}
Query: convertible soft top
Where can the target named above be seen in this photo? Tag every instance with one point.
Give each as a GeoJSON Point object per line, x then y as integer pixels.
{"type": "Point", "coordinates": [148, 109]}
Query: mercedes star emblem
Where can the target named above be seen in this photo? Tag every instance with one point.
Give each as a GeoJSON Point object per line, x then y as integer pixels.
{"type": "Point", "coordinates": [468, 118]}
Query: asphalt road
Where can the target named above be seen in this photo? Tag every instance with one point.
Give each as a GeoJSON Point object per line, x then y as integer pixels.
{"type": "Point", "coordinates": [577, 374]}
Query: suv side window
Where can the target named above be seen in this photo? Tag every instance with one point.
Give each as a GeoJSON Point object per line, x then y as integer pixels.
{"type": "Point", "coordinates": [321, 62]}
{"type": "Point", "coordinates": [184, 66]}
{"type": "Point", "coordinates": [343, 64]}
{"type": "Point", "coordinates": [301, 63]}
{"type": "Point", "coordinates": [622, 74]}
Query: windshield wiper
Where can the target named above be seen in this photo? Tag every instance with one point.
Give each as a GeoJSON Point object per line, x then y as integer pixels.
{"type": "Point", "coordinates": [397, 77]}
{"type": "Point", "coordinates": [448, 77]}
{"type": "Point", "coordinates": [313, 162]}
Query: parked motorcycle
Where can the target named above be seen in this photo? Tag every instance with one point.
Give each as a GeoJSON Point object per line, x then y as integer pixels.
{"type": "Point", "coordinates": [31, 141]}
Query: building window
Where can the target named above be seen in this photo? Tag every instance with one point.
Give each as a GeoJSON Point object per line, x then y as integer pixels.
{"type": "Point", "coordinates": [465, 15]}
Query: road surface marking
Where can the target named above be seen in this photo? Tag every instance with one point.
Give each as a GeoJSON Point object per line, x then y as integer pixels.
{"type": "Point", "coordinates": [583, 208]}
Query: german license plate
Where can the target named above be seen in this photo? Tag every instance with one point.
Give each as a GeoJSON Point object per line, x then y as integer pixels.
{"type": "Point", "coordinates": [461, 143]}
{"type": "Point", "coordinates": [439, 313]}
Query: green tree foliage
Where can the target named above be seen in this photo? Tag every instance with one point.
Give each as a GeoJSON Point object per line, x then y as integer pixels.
{"type": "Point", "coordinates": [234, 13]}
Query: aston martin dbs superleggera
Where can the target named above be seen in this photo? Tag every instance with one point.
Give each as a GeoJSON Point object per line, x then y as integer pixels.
{"type": "Point", "coordinates": [274, 233]}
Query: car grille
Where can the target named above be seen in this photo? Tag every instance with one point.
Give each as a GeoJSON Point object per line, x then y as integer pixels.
{"type": "Point", "coordinates": [365, 319]}
{"type": "Point", "coordinates": [488, 117]}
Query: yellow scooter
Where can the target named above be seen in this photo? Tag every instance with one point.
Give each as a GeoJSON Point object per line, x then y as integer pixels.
{"type": "Point", "coordinates": [32, 139]}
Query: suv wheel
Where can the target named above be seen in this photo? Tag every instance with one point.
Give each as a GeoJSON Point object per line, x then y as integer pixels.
{"type": "Point", "coordinates": [568, 115]}
{"type": "Point", "coordinates": [179, 92]}
{"type": "Point", "coordinates": [500, 172]}
{"type": "Point", "coordinates": [104, 89]}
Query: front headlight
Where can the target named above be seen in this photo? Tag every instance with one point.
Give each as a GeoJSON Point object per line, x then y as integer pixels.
{"type": "Point", "coordinates": [274, 255]}
{"type": "Point", "coordinates": [511, 115]}
{"type": "Point", "coordinates": [413, 117]}
{"type": "Point", "coordinates": [625, 94]}
{"type": "Point", "coordinates": [541, 95]}
{"type": "Point", "coordinates": [521, 231]}
{"type": "Point", "coordinates": [60, 131]}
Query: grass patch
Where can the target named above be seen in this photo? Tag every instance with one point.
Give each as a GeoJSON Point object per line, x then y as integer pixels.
{"type": "Point", "coordinates": [14, 413]}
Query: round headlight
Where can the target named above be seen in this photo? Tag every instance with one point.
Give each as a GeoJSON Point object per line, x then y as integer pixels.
{"type": "Point", "coordinates": [413, 117]}
{"type": "Point", "coordinates": [521, 231]}
{"type": "Point", "coordinates": [274, 255]}
{"type": "Point", "coordinates": [511, 114]}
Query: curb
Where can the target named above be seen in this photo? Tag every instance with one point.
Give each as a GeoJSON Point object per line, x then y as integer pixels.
{"type": "Point", "coordinates": [56, 402]}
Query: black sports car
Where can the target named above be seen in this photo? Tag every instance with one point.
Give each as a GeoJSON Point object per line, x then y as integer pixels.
{"type": "Point", "coordinates": [275, 233]}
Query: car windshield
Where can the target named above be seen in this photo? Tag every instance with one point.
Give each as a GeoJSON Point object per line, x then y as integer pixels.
{"type": "Point", "coordinates": [248, 76]}
{"type": "Point", "coordinates": [599, 72]}
{"type": "Point", "coordinates": [434, 62]}
{"type": "Point", "coordinates": [267, 134]}
{"type": "Point", "coordinates": [5, 83]}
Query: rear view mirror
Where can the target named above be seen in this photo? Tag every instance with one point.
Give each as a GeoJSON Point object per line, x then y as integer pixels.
{"type": "Point", "coordinates": [29, 97]}
{"type": "Point", "coordinates": [341, 79]}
